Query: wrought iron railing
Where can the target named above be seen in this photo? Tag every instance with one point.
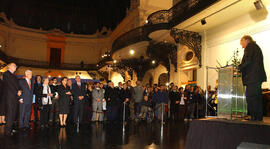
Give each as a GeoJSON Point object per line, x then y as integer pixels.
{"type": "Point", "coordinates": [130, 37]}
{"type": "Point", "coordinates": [163, 19]}
{"type": "Point", "coordinates": [183, 10]}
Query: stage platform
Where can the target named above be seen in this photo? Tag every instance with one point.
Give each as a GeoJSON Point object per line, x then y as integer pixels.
{"type": "Point", "coordinates": [213, 133]}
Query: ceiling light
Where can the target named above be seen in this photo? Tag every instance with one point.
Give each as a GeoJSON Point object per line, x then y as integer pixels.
{"type": "Point", "coordinates": [153, 61]}
{"type": "Point", "coordinates": [114, 61]}
{"type": "Point", "coordinates": [131, 52]}
{"type": "Point", "coordinates": [203, 21]}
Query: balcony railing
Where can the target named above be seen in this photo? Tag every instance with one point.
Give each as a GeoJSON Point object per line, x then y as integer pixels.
{"type": "Point", "coordinates": [46, 65]}
{"type": "Point", "coordinates": [179, 12]}
{"type": "Point", "coordinates": [163, 19]}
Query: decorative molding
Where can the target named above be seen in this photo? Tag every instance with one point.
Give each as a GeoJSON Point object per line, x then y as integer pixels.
{"type": "Point", "coordinates": [191, 39]}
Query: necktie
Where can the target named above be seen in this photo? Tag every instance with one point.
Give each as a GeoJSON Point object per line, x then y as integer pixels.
{"type": "Point", "coordinates": [29, 84]}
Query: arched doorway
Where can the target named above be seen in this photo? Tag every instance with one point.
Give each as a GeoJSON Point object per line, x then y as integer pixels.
{"type": "Point", "coordinates": [163, 79]}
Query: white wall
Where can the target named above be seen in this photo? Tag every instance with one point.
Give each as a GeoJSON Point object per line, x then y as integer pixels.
{"type": "Point", "coordinates": [155, 73]}
{"type": "Point", "coordinates": [220, 42]}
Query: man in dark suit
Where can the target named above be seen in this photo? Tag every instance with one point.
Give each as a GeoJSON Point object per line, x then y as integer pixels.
{"type": "Point", "coordinates": [78, 91]}
{"type": "Point", "coordinates": [26, 100]}
{"type": "Point", "coordinates": [253, 74]}
{"type": "Point", "coordinates": [11, 95]}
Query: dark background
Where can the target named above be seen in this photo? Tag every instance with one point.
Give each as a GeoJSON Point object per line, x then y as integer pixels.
{"type": "Point", "coordinates": [77, 16]}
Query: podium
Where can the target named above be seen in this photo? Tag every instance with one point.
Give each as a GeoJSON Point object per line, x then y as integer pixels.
{"type": "Point", "coordinates": [231, 94]}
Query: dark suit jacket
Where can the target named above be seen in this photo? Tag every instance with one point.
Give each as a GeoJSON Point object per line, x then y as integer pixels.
{"type": "Point", "coordinates": [111, 93]}
{"type": "Point", "coordinates": [11, 87]}
{"type": "Point", "coordinates": [252, 66]}
{"type": "Point", "coordinates": [125, 94]}
{"type": "Point", "coordinates": [76, 91]}
{"type": "Point", "coordinates": [27, 93]}
{"type": "Point", "coordinates": [37, 89]}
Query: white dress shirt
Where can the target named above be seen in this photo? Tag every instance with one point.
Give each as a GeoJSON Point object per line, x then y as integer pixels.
{"type": "Point", "coordinates": [46, 90]}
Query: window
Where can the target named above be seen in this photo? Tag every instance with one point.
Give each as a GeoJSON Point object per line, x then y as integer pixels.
{"type": "Point", "coordinates": [55, 57]}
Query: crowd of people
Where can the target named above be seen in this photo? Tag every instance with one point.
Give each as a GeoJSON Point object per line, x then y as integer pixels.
{"type": "Point", "coordinates": [66, 102]}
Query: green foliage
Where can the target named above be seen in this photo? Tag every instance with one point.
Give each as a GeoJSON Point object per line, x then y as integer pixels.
{"type": "Point", "coordinates": [235, 60]}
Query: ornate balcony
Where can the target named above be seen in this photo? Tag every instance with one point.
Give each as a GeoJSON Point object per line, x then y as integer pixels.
{"type": "Point", "coordinates": [179, 12]}
{"type": "Point", "coordinates": [162, 20]}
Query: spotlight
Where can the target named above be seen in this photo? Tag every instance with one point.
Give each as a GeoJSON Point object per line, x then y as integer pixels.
{"type": "Point", "coordinates": [153, 61]}
{"type": "Point", "coordinates": [115, 61]}
{"type": "Point", "coordinates": [131, 52]}
{"type": "Point", "coordinates": [59, 76]}
{"type": "Point", "coordinates": [203, 22]}
{"type": "Point", "coordinates": [258, 4]}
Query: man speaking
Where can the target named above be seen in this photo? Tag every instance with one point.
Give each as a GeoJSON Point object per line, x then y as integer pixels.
{"type": "Point", "coordinates": [253, 74]}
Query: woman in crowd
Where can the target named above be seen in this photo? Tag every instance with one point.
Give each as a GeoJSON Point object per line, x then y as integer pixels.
{"type": "Point", "coordinates": [182, 107]}
{"type": "Point", "coordinates": [2, 103]}
{"type": "Point", "coordinates": [46, 94]}
{"type": "Point", "coordinates": [37, 90]}
{"type": "Point", "coordinates": [174, 97]}
{"type": "Point", "coordinates": [88, 103]}
{"type": "Point", "coordinates": [64, 100]}
{"type": "Point", "coordinates": [199, 102]}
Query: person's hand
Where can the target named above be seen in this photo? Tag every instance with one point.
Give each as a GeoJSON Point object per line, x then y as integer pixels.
{"type": "Point", "coordinates": [177, 102]}
{"type": "Point", "coordinates": [19, 93]}
{"type": "Point", "coordinates": [21, 101]}
{"type": "Point", "coordinates": [98, 100]}
{"type": "Point", "coordinates": [126, 100]}
{"type": "Point", "coordinates": [109, 99]}
{"type": "Point", "coordinates": [68, 93]}
{"type": "Point", "coordinates": [80, 97]}
{"type": "Point", "coordinates": [49, 95]}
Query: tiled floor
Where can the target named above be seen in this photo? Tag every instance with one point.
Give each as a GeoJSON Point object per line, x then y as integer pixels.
{"type": "Point", "coordinates": [100, 136]}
